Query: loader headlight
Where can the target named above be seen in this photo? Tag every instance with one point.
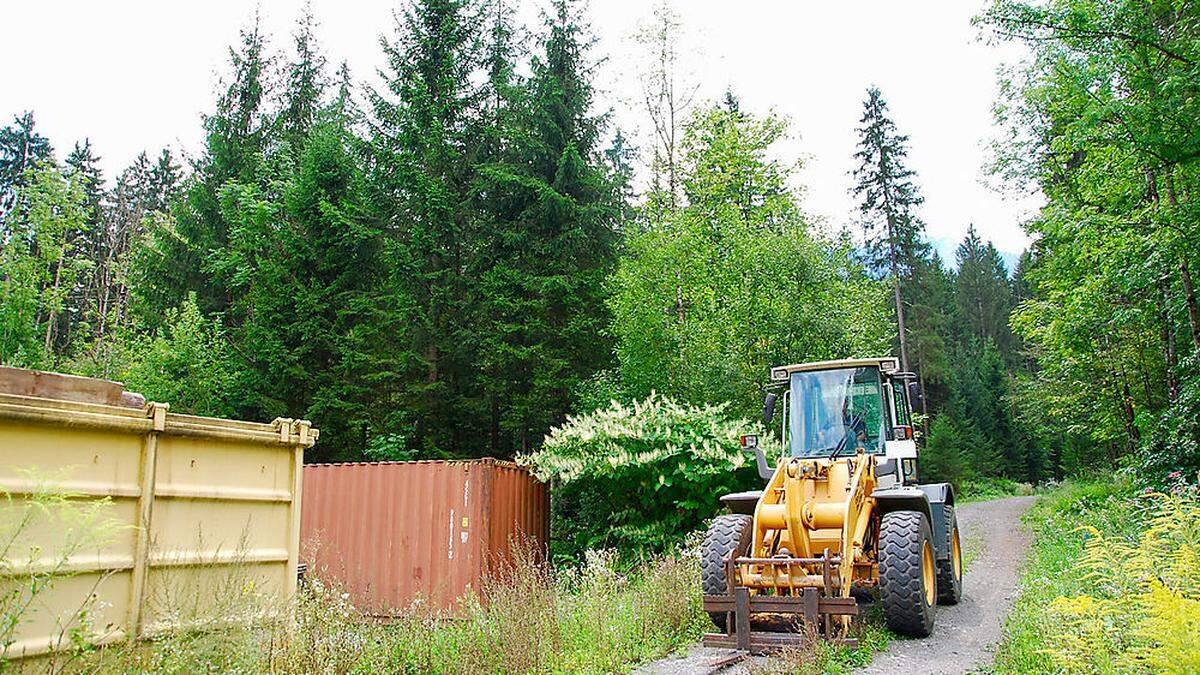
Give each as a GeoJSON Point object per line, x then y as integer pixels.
{"type": "Point", "coordinates": [779, 374]}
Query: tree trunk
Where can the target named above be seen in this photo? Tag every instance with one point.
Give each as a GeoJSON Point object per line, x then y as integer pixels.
{"type": "Point", "coordinates": [1127, 413]}
{"type": "Point", "coordinates": [1167, 335]}
{"type": "Point", "coordinates": [1189, 297]}
{"type": "Point", "coordinates": [924, 404]}
{"type": "Point", "coordinates": [53, 316]}
{"type": "Point", "coordinates": [894, 257]}
{"type": "Point", "coordinates": [1185, 273]}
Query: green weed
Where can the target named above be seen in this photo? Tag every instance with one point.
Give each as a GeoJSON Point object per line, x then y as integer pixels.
{"type": "Point", "coordinates": [530, 619]}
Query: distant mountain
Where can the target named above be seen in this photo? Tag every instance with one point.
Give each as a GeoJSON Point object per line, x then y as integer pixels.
{"type": "Point", "coordinates": [946, 246]}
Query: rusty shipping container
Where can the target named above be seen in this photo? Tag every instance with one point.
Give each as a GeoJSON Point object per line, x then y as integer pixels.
{"type": "Point", "coordinates": [394, 533]}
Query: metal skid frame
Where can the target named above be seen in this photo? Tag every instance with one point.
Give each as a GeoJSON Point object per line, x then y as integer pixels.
{"type": "Point", "coordinates": [811, 608]}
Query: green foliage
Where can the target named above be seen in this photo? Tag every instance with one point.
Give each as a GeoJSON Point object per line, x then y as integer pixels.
{"type": "Point", "coordinates": [552, 204]}
{"type": "Point", "coordinates": [641, 476]}
{"type": "Point", "coordinates": [39, 267]}
{"type": "Point", "coordinates": [1101, 119]}
{"type": "Point", "coordinates": [22, 148]}
{"type": "Point", "coordinates": [945, 454]}
{"type": "Point", "coordinates": [1111, 584]}
{"type": "Point", "coordinates": [887, 192]}
{"type": "Point", "coordinates": [735, 281]}
{"type": "Point", "coordinates": [188, 364]}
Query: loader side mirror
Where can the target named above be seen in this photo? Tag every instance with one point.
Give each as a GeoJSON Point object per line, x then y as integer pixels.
{"type": "Point", "coordinates": [768, 412]}
{"type": "Point", "coordinates": [914, 394]}
{"type": "Point", "coordinates": [749, 444]}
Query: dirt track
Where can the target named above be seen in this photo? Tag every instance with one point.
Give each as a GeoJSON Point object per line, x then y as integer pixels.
{"type": "Point", "coordinates": [965, 634]}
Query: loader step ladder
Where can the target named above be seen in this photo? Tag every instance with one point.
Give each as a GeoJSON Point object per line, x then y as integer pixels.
{"type": "Point", "coordinates": [812, 610]}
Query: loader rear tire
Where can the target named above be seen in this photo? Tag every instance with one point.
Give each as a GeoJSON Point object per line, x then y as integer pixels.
{"type": "Point", "coordinates": [728, 534]}
{"type": "Point", "coordinates": [950, 570]}
{"type": "Point", "coordinates": [907, 573]}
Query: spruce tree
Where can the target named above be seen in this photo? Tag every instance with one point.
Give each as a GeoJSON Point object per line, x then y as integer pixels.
{"type": "Point", "coordinates": [984, 293]}
{"type": "Point", "coordinates": [188, 253]}
{"type": "Point", "coordinates": [888, 197]}
{"type": "Point", "coordinates": [305, 82]}
{"type": "Point", "coordinates": [90, 240]}
{"type": "Point", "coordinates": [21, 148]}
{"type": "Point", "coordinates": [552, 246]}
{"type": "Point", "coordinates": [426, 124]}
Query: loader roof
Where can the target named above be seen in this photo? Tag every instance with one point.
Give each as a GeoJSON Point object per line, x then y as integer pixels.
{"type": "Point", "coordinates": [887, 364]}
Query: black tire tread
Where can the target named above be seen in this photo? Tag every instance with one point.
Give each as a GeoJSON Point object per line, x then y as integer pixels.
{"type": "Point", "coordinates": [727, 533]}
{"type": "Point", "coordinates": [902, 535]}
{"type": "Point", "coordinates": [949, 588]}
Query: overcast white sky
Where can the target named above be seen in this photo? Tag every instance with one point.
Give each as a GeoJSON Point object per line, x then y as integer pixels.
{"type": "Point", "coordinates": [137, 74]}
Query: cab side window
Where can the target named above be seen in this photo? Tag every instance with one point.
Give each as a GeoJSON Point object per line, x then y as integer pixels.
{"type": "Point", "coordinates": [902, 417]}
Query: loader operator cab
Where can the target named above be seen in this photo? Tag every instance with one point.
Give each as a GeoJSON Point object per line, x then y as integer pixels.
{"type": "Point", "coordinates": [832, 413]}
{"type": "Point", "coordinates": [833, 408]}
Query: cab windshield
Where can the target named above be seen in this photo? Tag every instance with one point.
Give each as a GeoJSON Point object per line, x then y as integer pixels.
{"type": "Point", "coordinates": [835, 411]}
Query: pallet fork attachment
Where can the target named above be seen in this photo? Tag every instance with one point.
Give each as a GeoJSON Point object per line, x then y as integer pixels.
{"type": "Point", "coordinates": [816, 611]}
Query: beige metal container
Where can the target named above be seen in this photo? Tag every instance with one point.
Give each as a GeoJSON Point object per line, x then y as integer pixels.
{"type": "Point", "coordinates": [394, 533]}
{"type": "Point", "coordinates": [204, 515]}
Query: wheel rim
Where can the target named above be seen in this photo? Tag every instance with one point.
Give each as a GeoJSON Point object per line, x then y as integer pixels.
{"type": "Point", "coordinates": [956, 554]}
{"type": "Point", "coordinates": [927, 572]}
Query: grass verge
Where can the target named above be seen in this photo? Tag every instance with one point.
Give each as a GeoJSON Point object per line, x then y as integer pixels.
{"type": "Point", "coordinates": [828, 658]}
{"type": "Point", "coordinates": [595, 619]}
{"type": "Point", "coordinates": [1112, 584]}
{"type": "Point", "coordinates": [985, 489]}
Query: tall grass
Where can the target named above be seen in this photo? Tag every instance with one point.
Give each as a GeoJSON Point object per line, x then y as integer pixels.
{"type": "Point", "coordinates": [527, 619]}
{"type": "Point", "coordinates": [1112, 584]}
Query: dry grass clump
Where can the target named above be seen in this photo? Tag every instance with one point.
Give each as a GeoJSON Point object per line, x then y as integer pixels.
{"type": "Point", "coordinates": [528, 618]}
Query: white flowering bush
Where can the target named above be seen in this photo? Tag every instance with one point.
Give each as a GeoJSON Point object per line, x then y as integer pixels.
{"type": "Point", "coordinates": [641, 476]}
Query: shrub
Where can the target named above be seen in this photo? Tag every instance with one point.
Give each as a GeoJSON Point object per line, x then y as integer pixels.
{"type": "Point", "coordinates": [640, 477]}
{"type": "Point", "coordinates": [942, 459]}
{"type": "Point", "coordinates": [1143, 611]}
{"type": "Point", "coordinates": [1112, 583]}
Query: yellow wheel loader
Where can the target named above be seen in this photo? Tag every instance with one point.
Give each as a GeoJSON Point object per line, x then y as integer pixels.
{"type": "Point", "coordinates": [841, 515]}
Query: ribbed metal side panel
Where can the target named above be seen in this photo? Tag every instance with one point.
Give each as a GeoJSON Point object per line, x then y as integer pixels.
{"type": "Point", "coordinates": [395, 533]}
{"type": "Point", "coordinates": [520, 513]}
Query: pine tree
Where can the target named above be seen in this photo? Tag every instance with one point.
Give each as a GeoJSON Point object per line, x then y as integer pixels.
{"type": "Point", "coordinates": [552, 248]}
{"type": "Point", "coordinates": [984, 293]}
{"type": "Point", "coordinates": [162, 184]}
{"type": "Point", "coordinates": [21, 148]}
{"type": "Point", "coordinates": [186, 254]}
{"type": "Point", "coordinates": [932, 318]}
{"type": "Point", "coordinates": [888, 197]}
{"type": "Point", "coordinates": [426, 124]}
{"type": "Point", "coordinates": [305, 82]}
{"type": "Point", "coordinates": [83, 165]}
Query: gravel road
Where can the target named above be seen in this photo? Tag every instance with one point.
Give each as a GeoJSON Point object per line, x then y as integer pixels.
{"type": "Point", "coordinates": [964, 635]}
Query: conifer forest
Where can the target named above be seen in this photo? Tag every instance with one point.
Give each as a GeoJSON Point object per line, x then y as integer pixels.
{"type": "Point", "coordinates": [459, 259]}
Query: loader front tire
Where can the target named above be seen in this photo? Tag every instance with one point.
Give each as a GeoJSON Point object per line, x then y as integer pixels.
{"type": "Point", "coordinates": [907, 573]}
{"type": "Point", "coordinates": [728, 535]}
{"type": "Point", "coordinates": [950, 570]}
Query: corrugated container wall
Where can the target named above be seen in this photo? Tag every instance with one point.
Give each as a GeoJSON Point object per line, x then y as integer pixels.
{"type": "Point", "coordinates": [121, 521]}
{"type": "Point", "coordinates": [393, 533]}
